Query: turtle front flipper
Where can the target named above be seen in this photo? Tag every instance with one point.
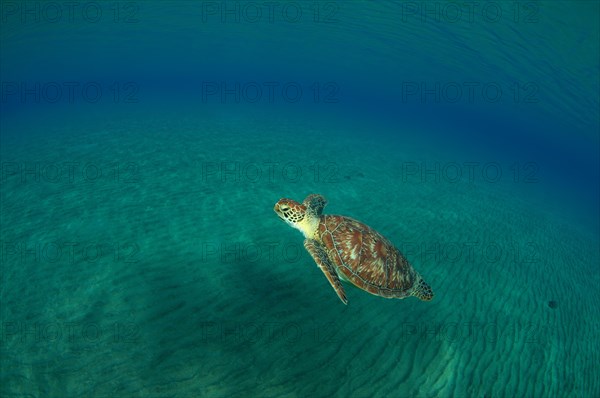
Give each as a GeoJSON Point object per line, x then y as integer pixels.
{"type": "Point", "coordinates": [315, 204]}
{"type": "Point", "coordinates": [320, 256]}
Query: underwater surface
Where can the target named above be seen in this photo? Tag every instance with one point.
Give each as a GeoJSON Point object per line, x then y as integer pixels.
{"type": "Point", "coordinates": [143, 146]}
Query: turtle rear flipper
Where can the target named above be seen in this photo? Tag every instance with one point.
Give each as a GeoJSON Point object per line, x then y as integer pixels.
{"type": "Point", "coordinates": [320, 257]}
{"type": "Point", "coordinates": [422, 290]}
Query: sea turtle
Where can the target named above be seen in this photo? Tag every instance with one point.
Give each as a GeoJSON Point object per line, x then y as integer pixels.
{"type": "Point", "coordinates": [349, 250]}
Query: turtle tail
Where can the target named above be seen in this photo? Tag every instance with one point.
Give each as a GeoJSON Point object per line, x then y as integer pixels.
{"type": "Point", "coordinates": [422, 290]}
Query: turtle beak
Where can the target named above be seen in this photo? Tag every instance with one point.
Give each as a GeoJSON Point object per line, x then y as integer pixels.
{"type": "Point", "coordinates": [278, 211]}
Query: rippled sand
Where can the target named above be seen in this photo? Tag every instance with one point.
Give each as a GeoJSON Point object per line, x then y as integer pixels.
{"type": "Point", "coordinates": [169, 274]}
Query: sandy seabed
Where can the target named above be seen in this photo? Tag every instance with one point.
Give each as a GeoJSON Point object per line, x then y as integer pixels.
{"type": "Point", "coordinates": [158, 268]}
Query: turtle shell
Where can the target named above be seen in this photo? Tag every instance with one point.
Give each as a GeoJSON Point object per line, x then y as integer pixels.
{"type": "Point", "coordinates": [365, 257]}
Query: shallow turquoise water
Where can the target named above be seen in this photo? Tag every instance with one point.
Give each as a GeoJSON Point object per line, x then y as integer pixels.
{"type": "Point", "coordinates": [140, 255]}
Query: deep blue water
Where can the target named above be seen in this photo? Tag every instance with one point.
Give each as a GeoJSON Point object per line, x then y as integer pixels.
{"type": "Point", "coordinates": [390, 100]}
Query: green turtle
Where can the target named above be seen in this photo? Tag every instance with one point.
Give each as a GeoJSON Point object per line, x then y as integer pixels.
{"type": "Point", "coordinates": [349, 250]}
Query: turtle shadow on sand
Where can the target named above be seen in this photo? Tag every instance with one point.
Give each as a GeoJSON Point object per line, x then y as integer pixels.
{"type": "Point", "coordinates": [208, 322]}
{"type": "Point", "coordinates": [273, 287]}
{"type": "Point", "coordinates": [179, 313]}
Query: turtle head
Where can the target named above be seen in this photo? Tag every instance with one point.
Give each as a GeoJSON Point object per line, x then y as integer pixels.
{"type": "Point", "coordinates": [290, 211]}
{"type": "Point", "coordinates": [296, 215]}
